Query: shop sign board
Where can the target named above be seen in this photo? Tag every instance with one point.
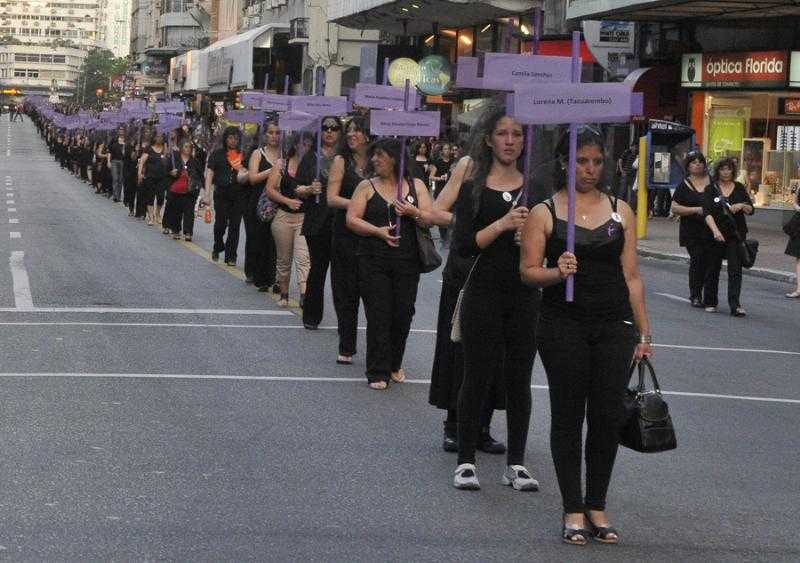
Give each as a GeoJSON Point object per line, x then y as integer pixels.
{"type": "Point", "coordinates": [434, 75]}
{"type": "Point", "coordinates": [574, 103]}
{"type": "Point", "coordinates": [794, 70]}
{"type": "Point", "coordinates": [789, 106]}
{"type": "Point", "coordinates": [405, 123]}
{"type": "Point", "coordinates": [761, 69]}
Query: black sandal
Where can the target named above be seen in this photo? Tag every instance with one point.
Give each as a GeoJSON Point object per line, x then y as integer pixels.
{"type": "Point", "coordinates": [606, 535]}
{"type": "Point", "coordinates": [574, 536]}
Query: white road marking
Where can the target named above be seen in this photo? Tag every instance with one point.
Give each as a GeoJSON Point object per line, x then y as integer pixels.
{"type": "Point", "coordinates": [151, 311]}
{"type": "Point", "coordinates": [13, 221]}
{"type": "Point", "coordinates": [674, 297]}
{"type": "Point", "coordinates": [15, 234]}
{"type": "Point", "coordinates": [12, 209]}
{"type": "Point", "coordinates": [19, 277]}
{"type": "Point", "coordinates": [9, 202]}
{"type": "Point", "coordinates": [292, 379]}
{"type": "Point", "coordinates": [293, 327]}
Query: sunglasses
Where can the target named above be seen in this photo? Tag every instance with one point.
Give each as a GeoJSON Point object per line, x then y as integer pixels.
{"type": "Point", "coordinates": [331, 128]}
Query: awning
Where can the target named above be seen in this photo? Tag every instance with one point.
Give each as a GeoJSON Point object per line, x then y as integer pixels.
{"type": "Point", "coordinates": [230, 61]}
{"type": "Point", "coordinates": [673, 10]}
{"type": "Point", "coordinates": [415, 17]}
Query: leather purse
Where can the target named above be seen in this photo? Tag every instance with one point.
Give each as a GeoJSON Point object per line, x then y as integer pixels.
{"type": "Point", "coordinates": [455, 325]}
{"type": "Point", "coordinates": [648, 424]}
{"type": "Point", "coordinates": [792, 226]}
{"type": "Point", "coordinates": [748, 250]}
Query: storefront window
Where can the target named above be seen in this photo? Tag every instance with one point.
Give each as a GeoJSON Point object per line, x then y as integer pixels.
{"type": "Point", "coordinates": [466, 42]}
{"type": "Point", "coordinates": [447, 44]}
{"type": "Point", "coordinates": [484, 40]}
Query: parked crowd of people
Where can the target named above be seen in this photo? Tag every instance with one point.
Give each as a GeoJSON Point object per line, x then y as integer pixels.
{"type": "Point", "coordinates": [504, 282]}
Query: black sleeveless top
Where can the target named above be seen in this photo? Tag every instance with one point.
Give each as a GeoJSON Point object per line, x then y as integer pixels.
{"type": "Point", "coordinates": [350, 181]}
{"type": "Point", "coordinates": [156, 168]}
{"type": "Point", "coordinates": [381, 213]}
{"type": "Point", "coordinates": [601, 293]}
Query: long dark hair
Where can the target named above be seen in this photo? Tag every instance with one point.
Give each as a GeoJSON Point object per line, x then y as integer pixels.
{"type": "Point", "coordinates": [393, 147]}
{"type": "Point", "coordinates": [480, 152]}
{"type": "Point", "coordinates": [362, 124]}
{"type": "Point", "coordinates": [588, 136]}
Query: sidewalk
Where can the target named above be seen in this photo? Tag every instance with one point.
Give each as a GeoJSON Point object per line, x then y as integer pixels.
{"type": "Point", "coordinates": [771, 263]}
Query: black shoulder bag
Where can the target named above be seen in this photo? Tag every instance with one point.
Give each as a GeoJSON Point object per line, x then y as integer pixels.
{"type": "Point", "coordinates": [429, 258]}
{"type": "Point", "coordinates": [746, 248]}
{"type": "Point", "coordinates": [648, 427]}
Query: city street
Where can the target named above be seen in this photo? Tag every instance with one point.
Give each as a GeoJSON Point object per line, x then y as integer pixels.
{"type": "Point", "coordinates": [154, 407]}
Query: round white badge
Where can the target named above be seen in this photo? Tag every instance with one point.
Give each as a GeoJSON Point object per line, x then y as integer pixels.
{"type": "Point", "coordinates": [410, 198]}
{"type": "Point", "coordinates": [716, 200]}
{"type": "Point", "coordinates": [507, 196]}
{"type": "Point", "coordinates": [616, 217]}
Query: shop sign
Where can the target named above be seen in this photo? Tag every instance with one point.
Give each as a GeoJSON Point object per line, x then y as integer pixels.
{"type": "Point", "coordinates": [403, 69]}
{"type": "Point", "coordinates": [794, 70]}
{"type": "Point", "coordinates": [434, 75]}
{"type": "Point", "coordinates": [789, 106]}
{"type": "Point", "coordinates": [763, 69]}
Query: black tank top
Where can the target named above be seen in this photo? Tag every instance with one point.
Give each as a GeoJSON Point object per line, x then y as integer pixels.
{"type": "Point", "coordinates": [601, 293]}
{"type": "Point", "coordinates": [350, 181]}
{"type": "Point", "coordinates": [381, 213]}
{"type": "Point", "coordinates": [156, 165]}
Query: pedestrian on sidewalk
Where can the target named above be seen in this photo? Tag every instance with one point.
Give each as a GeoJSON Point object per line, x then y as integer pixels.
{"type": "Point", "coordinates": [498, 314]}
{"type": "Point", "coordinates": [586, 345]}
{"type": "Point", "coordinates": [348, 170]}
{"type": "Point", "coordinates": [318, 223]}
{"type": "Point", "coordinates": [447, 372]}
{"type": "Point", "coordinates": [793, 248]}
{"type": "Point", "coordinates": [694, 234]}
{"type": "Point", "coordinates": [388, 263]}
{"type": "Point", "coordinates": [226, 176]}
{"type": "Point", "coordinates": [725, 205]}
{"type": "Point", "coordinates": [291, 190]}
{"type": "Point", "coordinates": [259, 261]}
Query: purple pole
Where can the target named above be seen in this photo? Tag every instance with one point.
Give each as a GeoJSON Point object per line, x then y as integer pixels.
{"type": "Point", "coordinates": [402, 159]}
{"type": "Point", "coordinates": [523, 200]}
{"type": "Point", "coordinates": [320, 92]}
{"type": "Point", "coordinates": [266, 81]}
{"type": "Point", "coordinates": [386, 71]}
{"type": "Point", "coordinates": [573, 149]}
{"type": "Point", "coordinates": [286, 85]}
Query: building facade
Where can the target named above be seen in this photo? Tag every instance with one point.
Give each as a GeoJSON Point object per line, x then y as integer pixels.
{"type": "Point", "coordinates": [115, 28]}
{"type": "Point", "coordinates": [45, 42]}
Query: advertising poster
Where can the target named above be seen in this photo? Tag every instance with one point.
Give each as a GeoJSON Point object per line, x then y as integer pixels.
{"type": "Point", "coordinates": [725, 135]}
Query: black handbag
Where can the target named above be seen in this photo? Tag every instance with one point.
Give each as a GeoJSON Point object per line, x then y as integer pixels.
{"type": "Point", "coordinates": [648, 425]}
{"type": "Point", "coordinates": [429, 259]}
{"type": "Point", "coordinates": [748, 250]}
{"type": "Point", "coordinates": [792, 226]}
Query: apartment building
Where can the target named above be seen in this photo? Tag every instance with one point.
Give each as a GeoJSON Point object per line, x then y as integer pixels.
{"type": "Point", "coordinates": [44, 43]}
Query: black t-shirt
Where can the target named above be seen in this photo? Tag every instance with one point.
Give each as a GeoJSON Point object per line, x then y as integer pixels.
{"type": "Point", "coordinates": [714, 204]}
{"type": "Point", "coordinates": [224, 174]}
{"type": "Point", "coordinates": [117, 150]}
{"type": "Point", "coordinates": [443, 168]}
{"type": "Point", "coordinates": [693, 229]}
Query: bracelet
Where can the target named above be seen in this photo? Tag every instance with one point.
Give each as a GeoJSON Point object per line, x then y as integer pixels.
{"type": "Point", "coordinates": [645, 339]}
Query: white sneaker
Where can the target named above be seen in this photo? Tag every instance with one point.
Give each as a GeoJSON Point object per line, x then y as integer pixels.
{"type": "Point", "coordinates": [518, 477]}
{"type": "Point", "coordinates": [465, 478]}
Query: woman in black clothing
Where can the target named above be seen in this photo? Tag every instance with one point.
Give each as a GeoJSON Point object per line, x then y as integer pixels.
{"type": "Point", "coordinates": [186, 181]}
{"type": "Point", "coordinates": [421, 166]}
{"type": "Point", "coordinates": [154, 175]}
{"type": "Point", "coordinates": [347, 171]}
{"type": "Point", "coordinates": [694, 234]}
{"type": "Point", "coordinates": [317, 224]}
{"type": "Point", "coordinates": [439, 175]}
{"type": "Point", "coordinates": [793, 250]}
{"type": "Point", "coordinates": [498, 313]}
{"type": "Point", "coordinates": [388, 262]}
{"type": "Point", "coordinates": [586, 345]}
{"type": "Point", "coordinates": [130, 162]}
{"type": "Point", "coordinates": [259, 261]}
{"type": "Point", "coordinates": [725, 204]}
{"type": "Point", "coordinates": [447, 372]}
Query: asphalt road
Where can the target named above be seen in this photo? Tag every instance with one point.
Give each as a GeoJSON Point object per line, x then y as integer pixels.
{"type": "Point", "coordinates": [153, 407]}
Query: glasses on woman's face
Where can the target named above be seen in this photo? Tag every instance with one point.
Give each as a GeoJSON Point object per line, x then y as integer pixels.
{"type": "Point", "coordinates": [331, 128]}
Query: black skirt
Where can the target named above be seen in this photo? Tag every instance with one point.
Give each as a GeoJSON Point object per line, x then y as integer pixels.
{"type": "Point", "coordinates": [793, 248]}
{"type": "Point", "coordinates": [448, 360]}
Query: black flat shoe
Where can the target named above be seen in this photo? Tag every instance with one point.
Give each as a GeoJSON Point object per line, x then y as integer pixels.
{"type": "Point", "coordinates": [489, 445]}
{"type": "Point", "coordinates": [276, 288]}
{"type": "Point", "coordinates": [697, 304]}
{"type": "Point", "coordinates": [606, 535]}
{"type": "Point", "coordinates": [215, 256]}
{"type": "Point", "coordinates": [450, 441]}
{"type": "Point", "coordinates": [310, 327]}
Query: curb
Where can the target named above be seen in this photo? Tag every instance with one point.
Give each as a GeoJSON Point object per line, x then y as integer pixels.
{"type": "Point", "coordinates": [765, 273]}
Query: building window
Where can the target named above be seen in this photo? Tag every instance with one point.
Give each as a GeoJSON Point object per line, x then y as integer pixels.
{"type": "Point", "coordinates": [20, 73]}
{"type": "Point", "coordinates": [60, 59]}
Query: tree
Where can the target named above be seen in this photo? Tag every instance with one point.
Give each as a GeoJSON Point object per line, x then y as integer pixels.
{"type": "Point", "coordinates": [97, 69]}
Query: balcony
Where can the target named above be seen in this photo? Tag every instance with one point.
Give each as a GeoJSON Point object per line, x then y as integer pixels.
{"type": "Point", "coordinates": [298, 30]}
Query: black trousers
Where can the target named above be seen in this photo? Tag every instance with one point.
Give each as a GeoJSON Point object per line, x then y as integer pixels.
{"type": "Point", "coordinates": [230, 206]}
{"type": "Point", "coordinates": [141, 199]}
{"type": "Point", "coordinates": [129, 191]}
{"type": "Point", "coordinates": [319, 250]}
{"type": "Point", "coordinates": [729, 251]}
{"type": "Point", "coordinates": [259, 247]}
{"type": "Point", "coordinates": [498, 337]}
{"type": "Point", "coordinates": [345, 288]}
{"type": "Point", "coordinates": [587, 365]}
{"type": "Point", "coordinates": [179, 212]}
{"type": "Point", "coordinates": [389, 289]}
{"type": "Point", "coordinates": [700, 279]}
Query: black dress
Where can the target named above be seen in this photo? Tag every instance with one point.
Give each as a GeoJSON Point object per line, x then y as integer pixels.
{"type": "Point", "coordinates": [448, 359]}
{"type": "Point", "coordinates": [793, 246]}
